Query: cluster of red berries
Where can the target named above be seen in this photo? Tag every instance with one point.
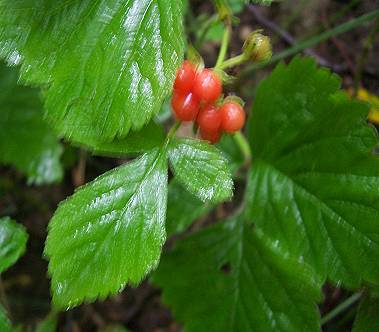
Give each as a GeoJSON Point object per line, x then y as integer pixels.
{"type": "Point", "coordinates": [196, 93]}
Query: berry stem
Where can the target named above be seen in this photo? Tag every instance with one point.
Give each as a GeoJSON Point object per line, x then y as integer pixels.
{"type": "Point", "coordinates": [225, 15]}
{"type": "Point", "coordinates": [244, 146]}
{"type": "Point", "coordinates": [173, 130]}
{"type": "Point", "coordinates": [232, 62]}
{"type": "Point", "coordinates": [224, 45]}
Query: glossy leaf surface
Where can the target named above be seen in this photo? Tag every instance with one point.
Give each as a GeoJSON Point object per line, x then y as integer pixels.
{"type": "Point", "coordinates": [237, 280]}
{"type": "Point", "coordinates": [107, 65]}
{"type": "Point", "coordinates": [201, 169]}
{"type": "Point", "coordinates": [26, 141]}
{"type": "Point", "coordinates": [13, 238]}
{"type": "Point", "coordinates": [315, 177]}
{"type": "Point", "coordinates": [113, 231]}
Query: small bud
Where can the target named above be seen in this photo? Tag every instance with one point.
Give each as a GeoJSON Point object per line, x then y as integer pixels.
{"type": "Point", "coordinates": [257, 47]}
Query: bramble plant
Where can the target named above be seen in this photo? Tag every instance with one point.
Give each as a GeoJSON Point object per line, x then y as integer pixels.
{"type": "Point", "coordinates": [310, 211]}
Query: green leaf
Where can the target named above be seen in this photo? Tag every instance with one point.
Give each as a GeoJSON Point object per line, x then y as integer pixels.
{"type": "Point", "coordinates": [314, 181]}
{"type": "Point", "coordinates": [149, 137]}
{"type": "Point", "coordinates": [231, 278]}
{"type": "Point", "coordinates": [183, 208]}
{"type": "Point", "coordinates": [201, 169]}
{"type": "Point", "coordinates": [13, 238]}
{"type": "Point", "coordinates": [25, 139]}
{"type": "Point", "coordinates": [107, 65]}
{"type": "Point", "coordinates": [5, 324]}
{"type": "Point", "coordinates": [113, 231]}
{"type": "Point", "coordinates": [367, 319]}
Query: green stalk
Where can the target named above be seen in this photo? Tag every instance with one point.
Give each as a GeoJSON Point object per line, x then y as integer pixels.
{"type": "Point", "coordinates": [232, 62]}
{"type": "Point", "coordinates": [342, 28]}
{"type": "Point", "coordinates": [340, 308]}
{"type": "Point", "coordinates": [224, 46]}
{"type": "Point", "coordinates": [173, 130]}
{"type": "Point", "coordinates": [243, 145]}
{"type": "Point", "coordinates": [221, 64]}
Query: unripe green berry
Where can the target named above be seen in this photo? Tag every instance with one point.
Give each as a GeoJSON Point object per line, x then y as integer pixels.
{"type": "Point", "coordinates": [258, 47]}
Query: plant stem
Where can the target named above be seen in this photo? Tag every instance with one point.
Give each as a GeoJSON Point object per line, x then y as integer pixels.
{"type": "Point", "coordinates": [224, 45]}
{"type": "Point", "coordinates": [232, 62]}
{"type": "Point", "coordinates": [340, 308]}
{"type": "Point", "coordinates": [244, 146]}
{"type": "Point", "coordinates": [342, 28]}
{"type": "Point", "coordinates": [173, 130]}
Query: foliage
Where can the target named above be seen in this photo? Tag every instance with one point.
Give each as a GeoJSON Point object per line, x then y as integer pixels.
{"type": "Point", "coordinates": [106, 66]}
{"type": "Point", "coordinates": [315, 178]}
{"type": "Point", "coordinates": [317, 214]}
{"type": "Point", "coordinates": [13, 239]}
{"type": "Point", "coordinates": [260, 286]}
{"type": "Point", "coordinates": [201, 169]}
{"type": "Point", "coordinates": [182, 208]}
{"type": "Point", "coordinates": [309, 165]}
{"type": "Point", "coordinates": [122, 213]}
{"type": "Point", "coordinates": [25, 140]}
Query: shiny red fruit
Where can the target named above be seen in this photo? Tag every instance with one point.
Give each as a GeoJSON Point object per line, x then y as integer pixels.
{"type": "Point", "coordinates": [207, 86]}
{"type": "Point", "coordinates": [233, 117]}
{"type": "Point", "coordinates": [211, 136]}
{"type": "Point", "coordinates": [185, 106]}
{"type": "Point", "coordinates": [185, 77]}
{"type": "Point", "coordinates": [209, 119]}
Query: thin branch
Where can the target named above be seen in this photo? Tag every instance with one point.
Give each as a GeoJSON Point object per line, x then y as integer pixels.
{"type": "Point", "coordinates": [340, 308]}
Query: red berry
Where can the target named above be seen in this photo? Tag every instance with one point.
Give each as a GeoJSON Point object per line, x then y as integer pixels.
{"type": "Point", "coordinates": [207, 86]}
{"type": "Point", "coordinates": [209, 118]}
{"type": "Point", "coordinates": [185, 77]}
{"type": "Point", "coordinates": [211, 136]}
{"type": "Point", "coordinates": [232, 117]}
{"type": "Point", "coordinates": [185, 106]}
